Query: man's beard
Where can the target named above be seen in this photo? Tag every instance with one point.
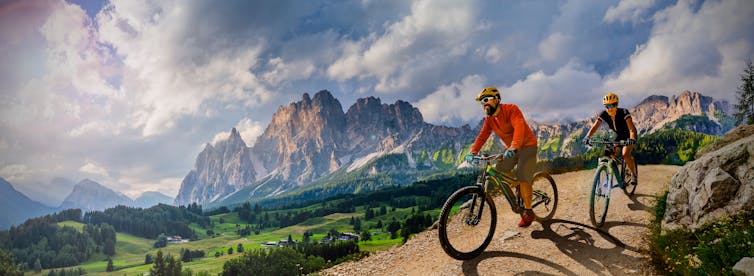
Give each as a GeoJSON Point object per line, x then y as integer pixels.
{"type": "Point", "coordinates": [489, 109]}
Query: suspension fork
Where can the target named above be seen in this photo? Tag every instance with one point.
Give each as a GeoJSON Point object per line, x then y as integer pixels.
{"type": "Point", "coordinates": [482, 180]}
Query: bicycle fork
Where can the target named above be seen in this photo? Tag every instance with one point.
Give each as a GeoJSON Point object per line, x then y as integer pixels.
{"type": "Point", "coordinates": [474, 217]}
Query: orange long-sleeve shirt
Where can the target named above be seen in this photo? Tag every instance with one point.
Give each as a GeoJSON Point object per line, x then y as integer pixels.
{"type": "Point", "coordinates": [509, 124]}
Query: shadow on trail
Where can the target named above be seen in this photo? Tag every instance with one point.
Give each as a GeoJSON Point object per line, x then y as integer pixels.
{"type": "Point", "coordinates": [641, 202]}
{"type": "Point", "coordinates": [578, 241]}
{"type": "Point", "coordinates": [470, 267]}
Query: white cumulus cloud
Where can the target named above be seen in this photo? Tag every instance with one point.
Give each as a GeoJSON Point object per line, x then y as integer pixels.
{"type": "Point", "coordinates": [628, 11]}
{"type": "Point", "coordinates": [247, 128]}
{"type": "Point", "coordinates": [703, 50]}
{"type": "Point", "coordinates": [94, 169]}
{"type": "Point", "coordinates": [454, 103]}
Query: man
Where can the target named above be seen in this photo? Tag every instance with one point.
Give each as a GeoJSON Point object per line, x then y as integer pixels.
{"type": "Point", "coordinates": [507, 121]}
{"type": "Point", "coordinates": [619, 120]}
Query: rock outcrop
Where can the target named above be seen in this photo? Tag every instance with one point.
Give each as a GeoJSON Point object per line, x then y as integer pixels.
{"type": "Point", "coordinates": [720, 183]}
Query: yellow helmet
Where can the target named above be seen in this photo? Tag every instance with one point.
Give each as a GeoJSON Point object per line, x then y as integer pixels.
{"type": "Point", "coordinates": [610, 98]}
{"type": "Point", "coordinates": [488, 92]}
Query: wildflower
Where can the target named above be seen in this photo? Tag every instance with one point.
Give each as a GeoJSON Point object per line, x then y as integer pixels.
{"type": "Point", "coordinates": [694, 261]}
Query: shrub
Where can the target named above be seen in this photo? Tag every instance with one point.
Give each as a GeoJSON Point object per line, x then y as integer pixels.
{"type": "Point", "coordinates": [712, 249]}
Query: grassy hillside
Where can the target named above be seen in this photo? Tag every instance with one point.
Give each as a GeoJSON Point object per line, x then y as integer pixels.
{"type": "Point", "coordinates": [387, 216]}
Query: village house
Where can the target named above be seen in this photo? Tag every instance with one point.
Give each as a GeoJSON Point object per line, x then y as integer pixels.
{"type": "Point", "coordinates": [176, 239]}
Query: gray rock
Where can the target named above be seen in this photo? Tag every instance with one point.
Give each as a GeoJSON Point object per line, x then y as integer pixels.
{"type": "Point", "coordinates": [744, 267]}
{"type": "Point", "coordinates": [721, 183]}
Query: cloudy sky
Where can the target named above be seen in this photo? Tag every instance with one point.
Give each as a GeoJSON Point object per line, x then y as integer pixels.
{"type": "Point", "coordinates": [126, 93]}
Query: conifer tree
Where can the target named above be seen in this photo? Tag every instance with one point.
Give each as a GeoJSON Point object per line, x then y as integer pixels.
{"type": "Point", "coordinates": [110, 267]}
{"type": "Point", "coordinates": [158, 269]}
{"type": "Point", "coordinates": [37, 266]}
{"type": "Point", "coordinates": [745, 106]}
{"type": "Point", "coordinates": [8, 265]}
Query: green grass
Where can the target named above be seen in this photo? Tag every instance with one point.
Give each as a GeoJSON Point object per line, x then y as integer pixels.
{"type": "Point", "coordinates": [712, 249]}
{"type": "Point", "coordinates": [131, 250]}
{"type": "Point", "coordinates": [77, 225]}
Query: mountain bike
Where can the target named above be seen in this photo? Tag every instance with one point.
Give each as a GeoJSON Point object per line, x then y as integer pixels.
{"type": "Point", "coordinates": [468, 217]}
{"type": "Point", "coordinates": [611, 173]}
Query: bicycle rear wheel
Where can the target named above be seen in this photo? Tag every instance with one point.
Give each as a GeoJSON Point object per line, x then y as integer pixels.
{"type": "Point", "coordinates": [600, 196]}
{"type": "Point", "coordinates": [625, 173]}
{"type": "Point", "coordinates": [545, 197]}
{"type": "Point", "coordinates": [467, 223]}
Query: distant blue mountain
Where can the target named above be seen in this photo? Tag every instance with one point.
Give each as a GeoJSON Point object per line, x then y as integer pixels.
{"type": "Point", "coordinates": [15, 207]}
{"type": "Point", "coordinates": [88, 195]}
{"type": "Point", "coordinates": [149, 199]}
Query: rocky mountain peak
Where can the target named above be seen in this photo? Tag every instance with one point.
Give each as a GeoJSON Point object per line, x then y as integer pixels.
{"type": "Point", "coordinates": [302, 137]}
{"type": "Point", "coordinates": [369, 122]}
{"type": "Point", "coordinates": [654, 99]}
{"type": "Point", "coordinates": [655, 112]}
{"type": "Point", "coordinates": [87, 183]}
{"type": "Point", "coordinates": [234, 135]}
{"type": "Point", "coordinates": [219, 170]}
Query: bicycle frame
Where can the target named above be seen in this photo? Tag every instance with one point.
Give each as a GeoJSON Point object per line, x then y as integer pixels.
{"type": "Point", "coordinates": [502, 180]}
{"type": "Point", "coordinates": [613, 160]}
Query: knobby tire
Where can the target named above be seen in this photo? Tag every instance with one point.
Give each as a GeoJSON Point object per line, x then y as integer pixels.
{"type": "Point", "coordinates": [600, 192]}
{"type": "Point", "coordinates": [452, 226]}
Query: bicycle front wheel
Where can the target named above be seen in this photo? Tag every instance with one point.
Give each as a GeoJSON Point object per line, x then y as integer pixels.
{"type": "Point", "coordinates": [545, 196]}
{"type": "Point", "coordinates": [600, 195]}
{"type": "Point", "coordinates": [467, 223]}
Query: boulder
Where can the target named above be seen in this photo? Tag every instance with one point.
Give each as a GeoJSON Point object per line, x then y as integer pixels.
{"type": "Point", "coordinates": [720, 183]}
{"type": "Point", "coordinates": [744, 267]}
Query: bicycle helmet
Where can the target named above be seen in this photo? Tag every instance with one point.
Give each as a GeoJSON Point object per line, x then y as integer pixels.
{"type": "Point", "coordinates": [488, 92]}
{"type": "Point", "coordinates": [610, 98]}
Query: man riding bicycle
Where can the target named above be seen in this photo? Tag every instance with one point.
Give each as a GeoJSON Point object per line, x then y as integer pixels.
{"type": "Point", "coordinates": [619, 120]}
{"type": "Point", "coordinates": [507, 121]}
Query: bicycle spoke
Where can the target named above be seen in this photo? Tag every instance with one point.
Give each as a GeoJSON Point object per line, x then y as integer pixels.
{"type": "Point", "coordinates": [545, 196]}
{"type": "Point", "coordinates": [467, 223]}
{"type": "Point", "coordinates": [600, 195]}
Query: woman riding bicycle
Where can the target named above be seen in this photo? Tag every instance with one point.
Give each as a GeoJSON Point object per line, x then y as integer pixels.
{"type": "Point", "coordinates": [507, 121]}
{"type": "Point", "coordinates": [619, 120]}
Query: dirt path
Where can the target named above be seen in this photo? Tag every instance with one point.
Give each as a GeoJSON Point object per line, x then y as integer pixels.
{"type": "Point", "coordinates": [565, 245]}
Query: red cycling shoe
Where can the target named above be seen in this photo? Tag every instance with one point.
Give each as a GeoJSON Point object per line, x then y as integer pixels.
{"type": "Point", "coordinates": [527, 218]}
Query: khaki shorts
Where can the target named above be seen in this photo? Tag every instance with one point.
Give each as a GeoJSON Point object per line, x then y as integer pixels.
{"type": "Point", "coordinates": [526, 158]}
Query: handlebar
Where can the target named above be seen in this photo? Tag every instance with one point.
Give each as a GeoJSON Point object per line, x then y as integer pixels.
{"type": "Point", "coordinates": [621, 143]}
{"type": "Point", "coordinates": [485, 157]}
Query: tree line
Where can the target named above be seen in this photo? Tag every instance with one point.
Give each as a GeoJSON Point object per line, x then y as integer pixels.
{"type": "Point", "coordinates": [41, 243]}
{"type": "Point", "coordinates": [150, 223]}
{"type": "Point", "coordinates": [304, 258]}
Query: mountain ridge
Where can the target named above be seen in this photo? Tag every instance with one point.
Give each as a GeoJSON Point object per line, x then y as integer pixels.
{"type": "Point", "coordinates": [313, 138]}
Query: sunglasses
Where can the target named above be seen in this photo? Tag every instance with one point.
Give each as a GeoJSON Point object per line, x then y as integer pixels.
{"type": "Point", "coordinates": [486, 99]}
{"type": "Point", "coordinates": [611, 105]}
